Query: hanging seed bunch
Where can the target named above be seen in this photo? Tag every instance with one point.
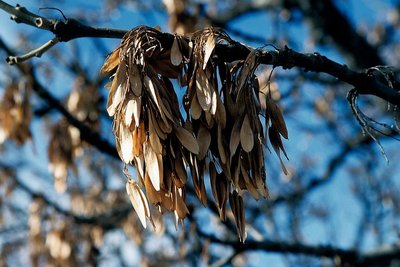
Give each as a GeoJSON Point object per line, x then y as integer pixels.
{"type": "Point", "coordinates": [15, 113]}
{"type": "Point", "coordinates": [219, 134]}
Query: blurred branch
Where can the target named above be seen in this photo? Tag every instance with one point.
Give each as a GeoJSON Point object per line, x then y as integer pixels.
{"type": "Point", "coordinates": [353, 257]}
{"type": "Point", "coordinates": [281, 246]}
{"type": "Point", "coordinates": [364, 82]}
{"type": "Point", "coordinates": [329, 20]}
{"type": "Point", "coordinates": [86, 133]}
{"type": "Point", "coordinates": [326, 19]}
{"type": "Point", "coordinates": [333, 165]}
{"type": "Point", "coordinates": [107, 220]}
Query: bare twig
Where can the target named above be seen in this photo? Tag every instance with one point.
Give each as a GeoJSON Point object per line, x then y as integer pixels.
{"type": "Point", "coordinates": [38, 52]}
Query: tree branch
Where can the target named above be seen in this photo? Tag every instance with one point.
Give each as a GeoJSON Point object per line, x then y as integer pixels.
{"type": "Point", "coordinates": [347, 256]}
{"type": "Point", "coordinates": [22, 15]}
{"type": "Point", "coordinates": [38, 52]}
{"type": "Point", "coordinates": [327, 18]}
{"type": "Point", "coordinates": [108, 220]}
{"type": "Point", "coordinates": [86, 133]}
{"type": "Point", "coordinates": [364, 82]}
{"type": "Point", "coordinates": [333, 165]}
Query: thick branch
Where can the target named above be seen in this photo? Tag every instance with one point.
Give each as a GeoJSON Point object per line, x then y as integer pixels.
{"type": "Point", "coordinates": [286, 58]}
{"type": "Point", "coordinates": [327, 18]}
{"type": "Point", "coordinates": [22, 15]}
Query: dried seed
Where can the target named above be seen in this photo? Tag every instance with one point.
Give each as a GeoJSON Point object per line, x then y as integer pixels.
{"type": "Point", "coordinates": [235, 136]}
{"type": "Point", "coordinates": [204, 141]}
{"type": "Point", "coordinates": [126, 143]}
{"type": "Point", "coordinates": [221, 146]}
{"type": "Point", "coordinates": [152, 165]}
{"type": "Point", "coordinates": [176, 55]}
{"type": "Point", "coordinates": [135, 80]}
{"type": "Point", "coordinates": [246, 135]}
{"type": "Point", "coordinates": [208, 49]}
{"type": "Point", "coordinates": [138, 201]}
{"type": "Point", "coordinates": [111, 62]}
{"type": "Point", "coordinates": [203, 90]}
{"type": "Point", "coordinates": [187, 139]}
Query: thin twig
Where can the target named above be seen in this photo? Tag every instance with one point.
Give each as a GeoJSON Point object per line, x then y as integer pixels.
{"type": "Point", "coordinates": [38, 52]}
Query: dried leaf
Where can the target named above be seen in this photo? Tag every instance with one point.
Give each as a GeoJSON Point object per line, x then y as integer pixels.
{"type": "Point", "coordinates": [179, 204]}
{"type": "Point", "coordinates": [249, 184]}
{"type": "Point", "coordinates": [208, 49]}
{"type": "Point", "coordinates": [246, 135]}
{"type": "Point", "coordinates": [204, 90]}
{"type": "Point", "coordinates": [276, 116]}
{"type": "Point", "coordinates": [153, 93]}
{"type": "Point", "coordinates": [138, 201]}
{"type": "Point", "coordinates": [180, 170]}
{"type": "Point", "coordinates": [187, 139]}
{"type": "Point", "coordinates": [126, 143]}
{"type": "Point", "coordinates": [111, 62]}
{"type": "Point", "coordinates": [139, 137]}
{"type": "Point", "coordinates": [204, 141]}
{"type": "Point", "coordinates": [132, 111]}
{"type": "Point", "coordinates": [247, 70]}
{"type": "Point", "coordinates": [153, 195]}
{"type": "Point", "coordinates": [139, 163]}
{"type": "Point", "coordinates": [176, 55]}
{"type": "Point", "coordinates": [276, 143]}
{"type": "Point", "coordinates": [167, 200]}
{"type": "Point", "coordinates": [154, 139]}
{"type": "Point", "coordinates": [153, 167]}
{"type": "Point", "coordinates": [135, 80]}
{"type": "Point", "coordinates": [220, 190]}
{"type": "Point", "coordinates": [221, 146]}
{"type": "Point", "coordinates": [220, 115]}
{"type": "Point", "coordinates": [235, 136]}
{"type": "Point", "coordinates": [160, 132]}
{"type": "Point", "coordinates": [117, 91]}
{"type": "Point", "coordinates": [237, 208]}
{"type": "Point", "coordinates": [195, 108]}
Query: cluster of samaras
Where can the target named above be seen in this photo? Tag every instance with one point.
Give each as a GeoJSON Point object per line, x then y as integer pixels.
{"type": "Point", "coordinates": [220, 132]}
